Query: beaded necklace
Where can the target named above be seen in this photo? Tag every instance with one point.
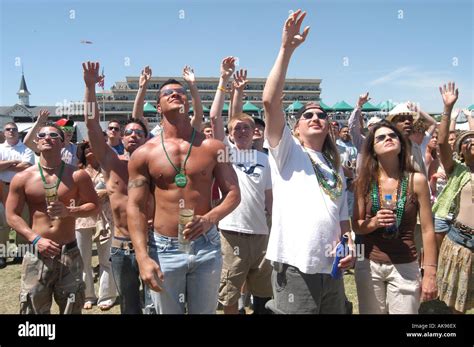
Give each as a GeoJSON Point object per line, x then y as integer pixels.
{"type": "Point", "coordinates": [401, 197]}
{"type": "Point", "coordinates": [333, 190]}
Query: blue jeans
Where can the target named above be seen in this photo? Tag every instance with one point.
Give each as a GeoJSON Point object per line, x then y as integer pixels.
{"type": "Point", "coordinates": [127, 279]}
{"type": "Point", "coordinates": [190, 280]}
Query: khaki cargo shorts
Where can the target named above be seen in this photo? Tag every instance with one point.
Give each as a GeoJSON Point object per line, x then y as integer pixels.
{"type": "Point", "coordinates": [43, 277]}
{"type": "Point", "coordinates": [244, 260]}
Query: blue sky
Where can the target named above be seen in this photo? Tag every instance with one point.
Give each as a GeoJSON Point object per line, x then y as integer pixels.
{"type": "Point", "coordinates": [399, 50]}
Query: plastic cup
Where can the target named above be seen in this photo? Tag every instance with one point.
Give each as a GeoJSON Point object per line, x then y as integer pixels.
{"type": "Point", "coordinates": [186, 215]}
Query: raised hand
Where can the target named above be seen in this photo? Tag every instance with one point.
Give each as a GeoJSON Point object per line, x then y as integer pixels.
{"type": "Point", "coordinates": [240, 80]}
{"type": "Point", "coordinates": [43, 115]}
{"type": "Point", "coordinates": [188, 74]}
{"type": "Point", "coordinates": [145, 77]}
{"type": "Point", "coordinates": [227, 67]}
{"type": "Point", "coordinates": [449, 94]}
{"type": "Point", "coordinates": [363, 99]}
{"type": "Point", "coordinates": [291, 37]}
{"type": "Point", "coordinates": [412, 106]}
{"type": "Point", "coordinates": [91, 73]}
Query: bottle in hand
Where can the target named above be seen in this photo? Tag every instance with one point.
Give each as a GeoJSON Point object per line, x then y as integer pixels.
{"type": "Point", "coordinates": [388, 203]}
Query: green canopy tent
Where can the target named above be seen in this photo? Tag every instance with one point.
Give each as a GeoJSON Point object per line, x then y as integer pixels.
{"type": "Point", "coordinates": [342, 106]}
{"type": "Point", "coordinates": [250, 108]}
{"type": "Point", "coordinates": [294, 107]}
{"type": "Point", "coordinates": [368, 107]}
{"type": "Point", "coordinates": [470, 108]}
{"type": "Point", "coordinates": [325, 107]}
{"type": "Point", "coordinates": [386, 106]}
{"type": "Point", "coordinates": [149, 108]}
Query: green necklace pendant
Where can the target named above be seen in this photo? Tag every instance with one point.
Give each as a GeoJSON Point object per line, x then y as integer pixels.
{"type": "Point", "coordinates": [180, 180]}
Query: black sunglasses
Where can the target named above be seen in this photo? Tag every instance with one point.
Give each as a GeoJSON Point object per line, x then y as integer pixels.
{"type": "Point", "coordinates": [43, 135]}
{"type": "Point", "coordinates": [114, 128]}
{"type": "Point", "coordinates": [382, 137]}
{"type": "Point", "coordinates": [404, 117]}
{"type": "Point", "coordinates": [11, 129]}
{"type": "Point", "coordinates": [309, 115]}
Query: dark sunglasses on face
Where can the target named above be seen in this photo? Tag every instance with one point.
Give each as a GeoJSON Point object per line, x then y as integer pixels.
{"type": "Point", "coordinates": [169, 91]}
{"type": "Point", "coordinates": [114, 129]}
{"type": "Point", "coordinates": [43, 135]}
{"type": "Point", "coordinates": [382, 137]}
{"type": "Point", "coordinates": [14, 130]}
{"type": "Point", "coordinates": [138, 132]}
{"type": "Point", "coordinates": [309, 115]}
{"type": "Point", "coordinates": [404, 118]}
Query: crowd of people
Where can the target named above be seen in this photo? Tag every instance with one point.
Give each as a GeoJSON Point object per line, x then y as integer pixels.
{"type": "Point", "coordinates": [278, 210]}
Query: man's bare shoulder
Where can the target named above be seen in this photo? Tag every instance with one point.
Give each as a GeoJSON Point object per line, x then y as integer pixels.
{"type": "Point", "coordinates": [22, 177]}
{"type": "Point", "coordinates": [213, 144]}
{"type": "Point", "coordinates": [144, 151]}
{"type": "Point", "coordinates": [79, 174]}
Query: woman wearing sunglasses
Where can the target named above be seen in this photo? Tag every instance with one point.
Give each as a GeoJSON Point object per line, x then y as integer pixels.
{"type": "Point", "coordinates": [310, 206]}
{"type": "Point", "coordinates": [455, 270]}
{"type": "Point", "coordinates": [388, 278]}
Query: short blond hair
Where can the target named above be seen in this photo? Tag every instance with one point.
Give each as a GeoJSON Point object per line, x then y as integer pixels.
{"type": "Point", "coordinates": [242, 117]}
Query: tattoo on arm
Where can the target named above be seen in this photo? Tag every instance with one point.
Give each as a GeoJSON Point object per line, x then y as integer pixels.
{"type": "Point", "coordinates": [137, 183]}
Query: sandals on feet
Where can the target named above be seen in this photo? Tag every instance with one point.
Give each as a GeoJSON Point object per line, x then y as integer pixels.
{"type": "Point", "coordinates": [88, 305]}
{"type": "Point", "coordinates": [105, 306]}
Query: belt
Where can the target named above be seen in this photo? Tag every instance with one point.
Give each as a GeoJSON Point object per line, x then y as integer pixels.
{"type": "Point", "coordinates": [463, 228]}
{"type": "Point", "coordinates": [122, 244]}
{"type": "Point", "coordinates": [240, 234]}
{"type": "Point", "coordinates": [71, 245]}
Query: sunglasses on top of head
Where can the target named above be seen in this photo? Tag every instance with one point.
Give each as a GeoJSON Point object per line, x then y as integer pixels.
{"type": "Point", "coordinates": [169, 91]}
{"type": "Point", "coordinates": [310, 115]}
{"type": "Point", "coordinates": [381, 138]}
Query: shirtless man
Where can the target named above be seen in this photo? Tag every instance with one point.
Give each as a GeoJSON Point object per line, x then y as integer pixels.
{"type": "Point", "coordinates": [55, 264]}
{"type": "Point", "coordinates": [124, 266]}
{"type": "Point", "coordinates": [180, 164]}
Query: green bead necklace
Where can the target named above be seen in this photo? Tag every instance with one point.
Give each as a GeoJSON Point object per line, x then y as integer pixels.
{"type": "Point", "coordinates": [335, 190]}
{"type": "Point", "coordinates": [401, 197]}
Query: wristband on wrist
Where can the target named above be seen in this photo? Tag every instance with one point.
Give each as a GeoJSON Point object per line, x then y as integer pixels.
{"type": "Point", "coordinates": [35, 241]}
{"type": "Point", "coordinates": [222, 88]}
{"type": "Point", "coordinates": [434, 265]}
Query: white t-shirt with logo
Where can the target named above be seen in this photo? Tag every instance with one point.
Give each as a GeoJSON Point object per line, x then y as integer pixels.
{"type": "Point", "coordinates": [305, 221]}
{"type": "Point", "coordinates": [69, 154]}
{"type": "Point", "coordinates": [16, 152]}
{"type": "Point", "coordinates": [254, 174]}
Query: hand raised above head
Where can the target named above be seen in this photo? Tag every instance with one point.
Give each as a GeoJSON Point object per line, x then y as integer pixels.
{"type": "Point", "coordinates": [91, 73]}
{"type": "Point", "coordinates": [227, 67]}
{"type": "Point", "coordinates": [145, 76]}
{"type": "Point", "coordinates": [240, 79]}
{"type": "Point", "coordinates": [188, 74]}
{"type": "Point", "coordinates": [363, 99]}
{"type": "Point", "coordinates": [449, 94]}
{"type": "Point", "coordinates": [291, 37]}
{"type": "Point", "coordinates": [43, 115]}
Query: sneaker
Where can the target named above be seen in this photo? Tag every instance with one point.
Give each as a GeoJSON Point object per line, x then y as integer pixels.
{"type": "Point", "coordinates": [242, 311]}
{"type": "Point", "coordinates": [3, 263]}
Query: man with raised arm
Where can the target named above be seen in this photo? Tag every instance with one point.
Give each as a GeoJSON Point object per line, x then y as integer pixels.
{"type": "Point", "coordinates": [124, 265]}
{"type": "Point", "coordinates": [56, 193]}
{"type": "Point", "coordinates": [309, 205]}
{"type": "Point", "coordinates": [244, 231]}
{"type": "Point", "coordinates": [179, 165]}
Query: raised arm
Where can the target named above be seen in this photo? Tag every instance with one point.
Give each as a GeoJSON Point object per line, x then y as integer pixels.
{"type": "Point", "coordinates": [470, 117]}
{"type": "Point", "coordinates": [105, 155]}
{"type": "Point", "coordinates": [137, 112]}
{"type": "Point", "coordinates": [30, 137]}
{"type": "Point", "coordinates": [449, 94]}
{"type": "Point", "coordinates": [227, 69]}
{"type": "Point", "coordinates": [452, 123]}
{"type": "Point", "coordinates": [240, 81]}
{"type": "Point", "coordinates": [356, 122]}
{"type": "Point", "coordinates": [430, 121]}
{"type": "Point", "coordinates": [198, 113]}
{"type": "Point", "coordinates": [138, 193]}
{"type": "Point", "coordinates": [274, 115]}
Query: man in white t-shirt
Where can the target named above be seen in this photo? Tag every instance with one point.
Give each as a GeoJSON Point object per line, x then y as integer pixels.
{"type": "Point", "coordinates": [69, 151]}
{"type": "Point", "coordinates": [244, 231]}
{"type": "Point", "coordinates": [309, 207]}
{"type": "Point", "coordinates": [14, 157]}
